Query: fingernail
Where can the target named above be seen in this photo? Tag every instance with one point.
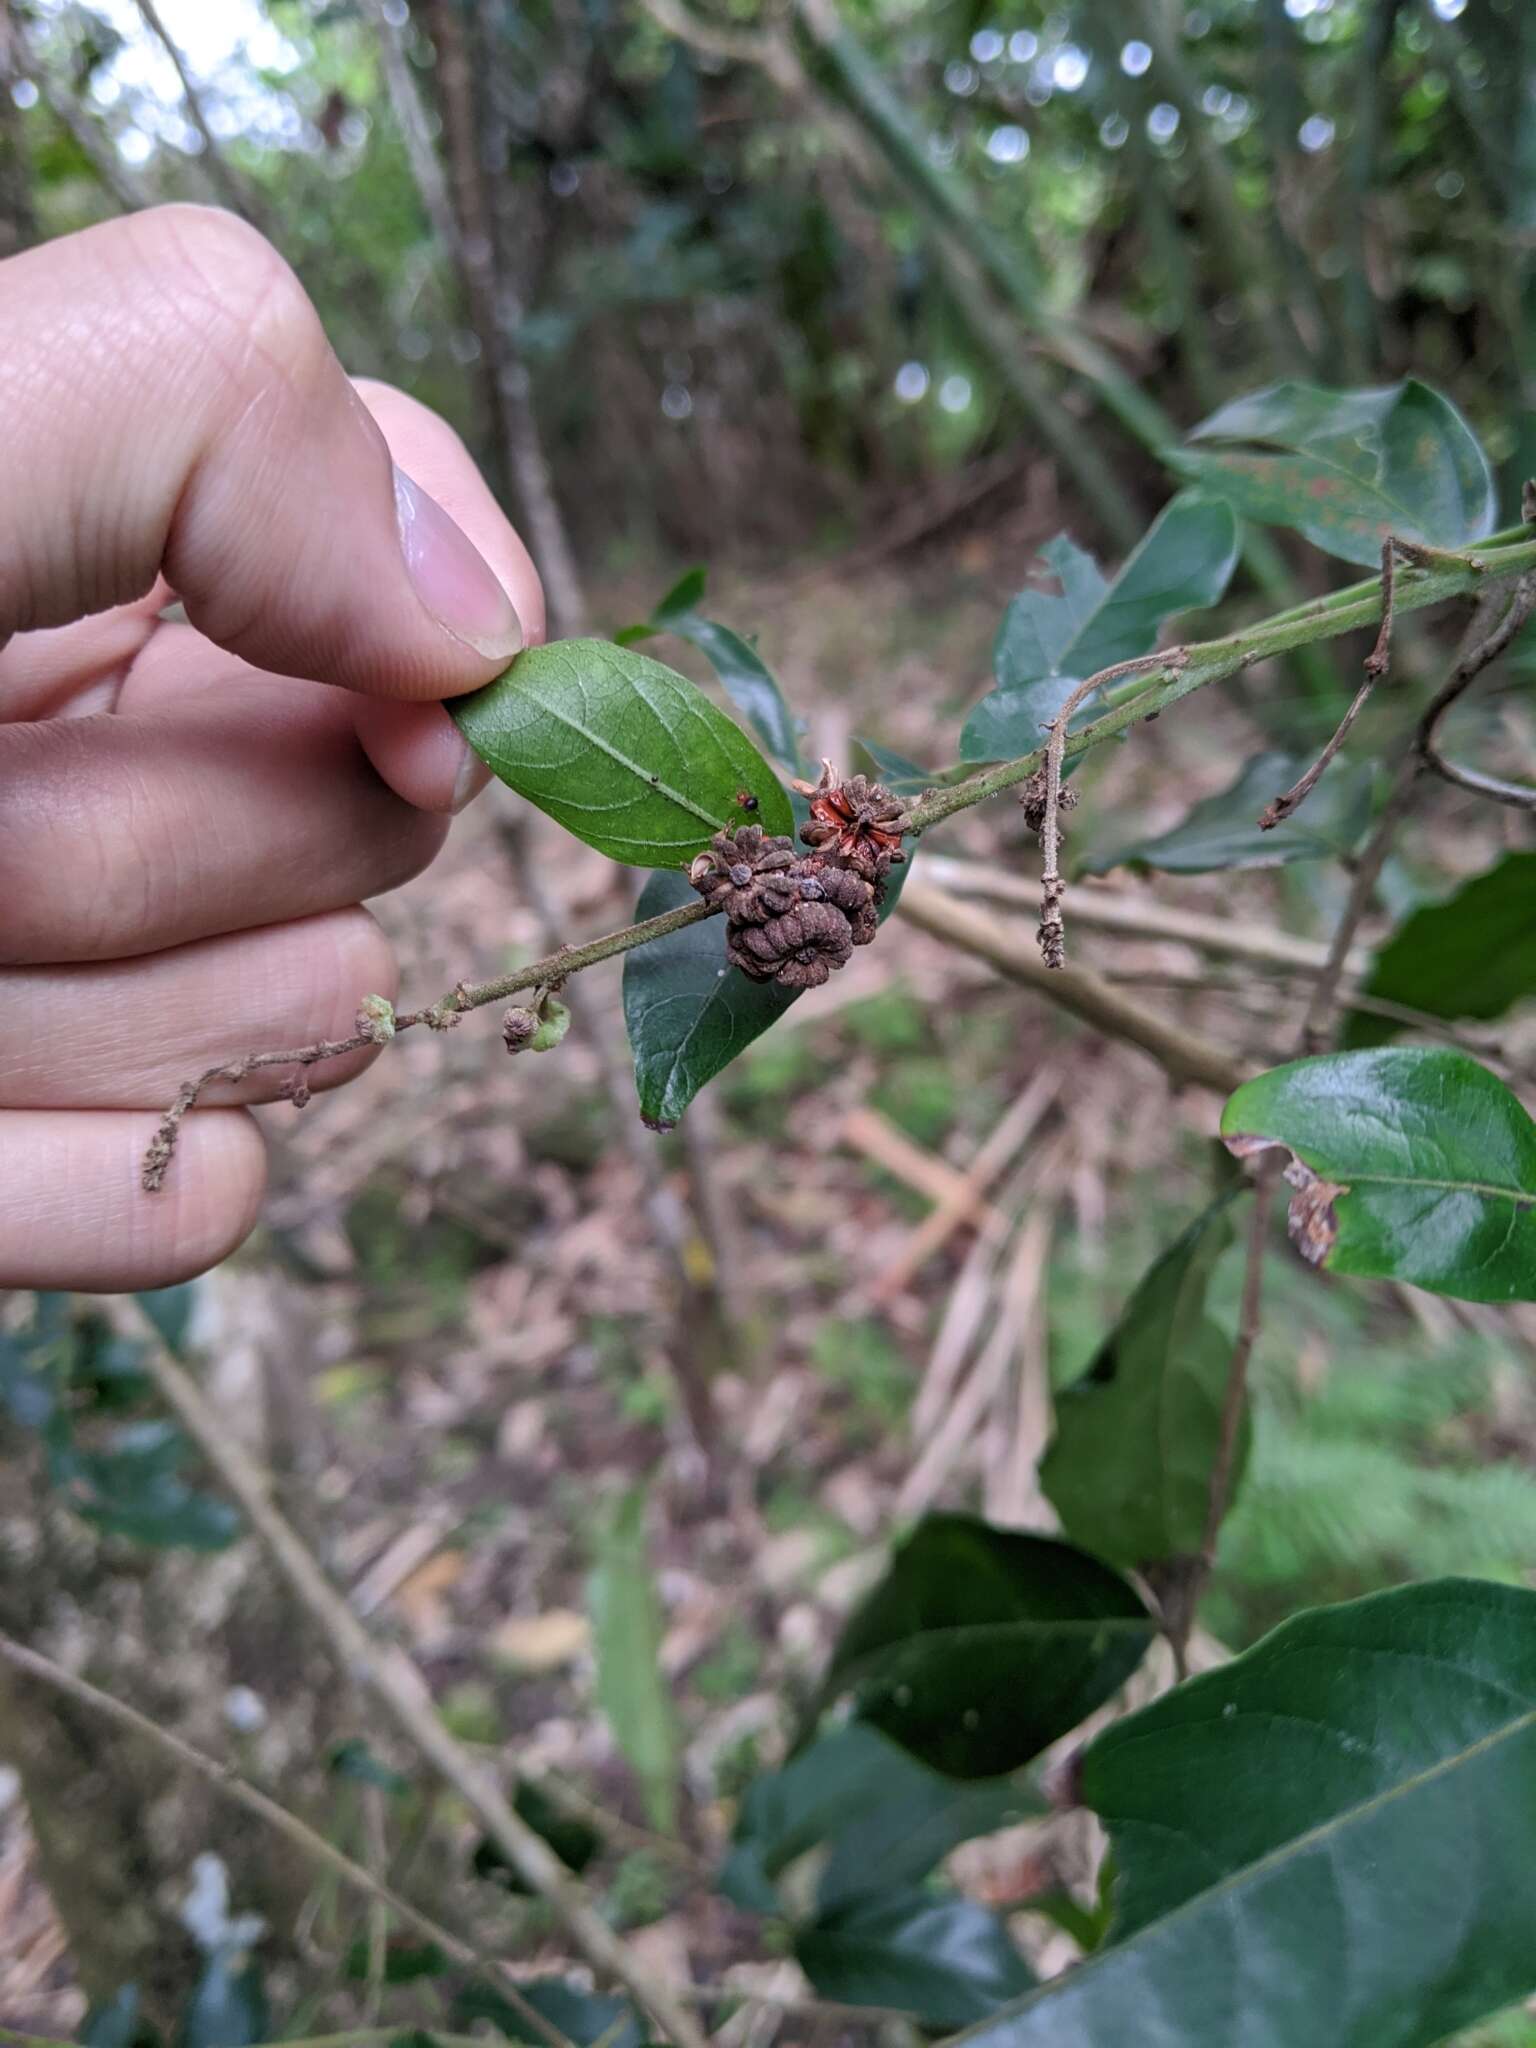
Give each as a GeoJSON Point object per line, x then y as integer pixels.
{"type": "Point", "coordinates": [451, 576]}
{"type": "Point", "coordinates": [472, 777]}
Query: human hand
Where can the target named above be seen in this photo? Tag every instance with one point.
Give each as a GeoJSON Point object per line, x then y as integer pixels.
{"type": "Point", "coordinates": [191, 814]}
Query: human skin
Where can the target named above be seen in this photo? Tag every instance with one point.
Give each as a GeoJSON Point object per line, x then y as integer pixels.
{"type": "Point", "coordinates": [192, 812]}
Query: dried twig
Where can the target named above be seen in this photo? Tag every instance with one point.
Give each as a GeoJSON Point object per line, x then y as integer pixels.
{"type": "Point", "coordinates": [1183, 1053]}
{"type": "Point", "coordinates": [227, 1781]}
{"type": "Point", "coordinates": [1279, 808]}
{"type": "Point", "coordinates": [1052, 934]}
{"type": "Point", "coordinates": [403, 1692]}
{"type": "Point", "coordinates": [1517, 796]}
{"type": "Point", "coordinates": [1499, 616]}
{"type": "Point", "coordinates": [231, 189]}
{"type": "Point", "coordinates": [1186, 669]}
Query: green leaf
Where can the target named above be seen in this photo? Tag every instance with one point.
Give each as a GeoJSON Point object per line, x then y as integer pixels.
{"type": "Point", "coordinates": [981, 1646]}
{"type": "Point", "coordinates": [900, 776]}
{"type": "Point", "coordinates": [744, 675]}
{"type": "Point", "coordinates": [170, 1310]}
{"type": "Point", "coordinates": [134, 1489]}
{"type": "Point", "coordinates": [1223, 830]}
{"type": "Point", "coordinates": [628, 755]}
{"type": "Point", "coordinates": [885, 1819]}
{"type": "Point", "coordinates": [1473, 956]}
{"type": "Point", "coordinates": [1129, 1467]}
{"type": "Point", "coordinates": [585, 2017]}
{"type": "Point", "coordinates": [353, 1759]}
{"type": "Point", "coordinates": [1407, 1164]}
{"type": "Point", "coordinates": [1347, 468]}
{"type": "Point", "coordinates": [1049, 643]}
{"type": "Point", "coordinates": [689, 1014]}
{"type": "Point", "coordinates": [626, 1631]}
{"type": "Point", "coordinates": [1327, 1839]}
{"type": "Point", "coordinates": [946, 1960]}
{"type": "Point", "coordinates": [572, 1840]}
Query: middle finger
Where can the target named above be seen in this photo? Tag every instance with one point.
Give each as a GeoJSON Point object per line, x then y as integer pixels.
{"type": "Point", "coordinates": [243, 807]}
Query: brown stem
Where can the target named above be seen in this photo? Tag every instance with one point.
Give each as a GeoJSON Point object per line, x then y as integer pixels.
{"type": "Point", "coordinates": [240, 1792]}
{"type": "Point", "coordinates": [1499, 616]}
{"type": "Point", "coordinates": [1185, 669]}
{"type": "Point", "coordinates": [439, 1016]}
{"type": "Point", "coordinates": [1052, 934]}
{"type": "Point", "coordinates": [1187, 1057]}
{"type": "Point", "coordinates": [1521, 604]}
{"type": "Point", "coordinates": [402, 1691]}
{"type": "Point", "coordinates": [1285, 805]}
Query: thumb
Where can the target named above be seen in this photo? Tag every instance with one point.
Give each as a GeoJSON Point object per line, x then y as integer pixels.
{"type": "Point", "coordinates": [169, 396]}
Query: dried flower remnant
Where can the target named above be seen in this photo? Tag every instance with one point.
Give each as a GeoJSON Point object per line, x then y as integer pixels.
{"type": "Point", "coordinates": [800, 950]}
{"type": "Point", "coordinates": [857, 822]}
{"type": "Point", "coordinates": [1311, 1220]}
{"type": "Point", "coordinates": [747, 874]}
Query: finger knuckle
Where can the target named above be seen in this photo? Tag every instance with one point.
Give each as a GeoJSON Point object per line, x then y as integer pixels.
{"type": "Point", "coordinates": [247, 309]}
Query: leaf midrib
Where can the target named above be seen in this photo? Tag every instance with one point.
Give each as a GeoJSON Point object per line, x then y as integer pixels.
{"type": "Point", "coordinates": [1272, 1858]}
{"type": "Point", "coordinates": [654, 787]}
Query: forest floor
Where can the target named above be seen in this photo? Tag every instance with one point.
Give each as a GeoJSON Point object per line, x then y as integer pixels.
{"type": "Point", "coordinates": [497, 1303]}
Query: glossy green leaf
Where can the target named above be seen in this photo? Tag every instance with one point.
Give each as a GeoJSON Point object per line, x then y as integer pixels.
{"type": "Point", "coordinates": [981, 1646]}
{"type": "Point", "coordinates": [1223, 830]}
{"type": "Point", "coordinates": [1327, 1839]}
{"type": "Point", "coordinates": [1472, 956]}
{"type": "Point", "coordinates": [688, 1013]}
{"type": "Point", "coordinates": [1129, 1467]}
{"type": "Point", "coordinates": [744, 675]}
{"type": "Point", "coordinates": [572, 1840]}
{"type": "Point", "coordinates": [626, 1632]}
{"type": "Point", "coordinates": [1347, 468]}
{"type": "Point", "coordinates": [627, 754]}
{"type": "Point", "coordinates": [584, 2017]}
{"type": "Point", "coordinates": [882, 1819]}
{"type": "Point", "coordinates": [946, 1960]}
{"type": "Point", "coordinates": [1407, 1164]}
{"type": "Point", "coordinates": [1051, 641]}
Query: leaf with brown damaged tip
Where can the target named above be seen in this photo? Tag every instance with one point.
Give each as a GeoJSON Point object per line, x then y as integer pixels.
{"type": "Point", "coordinates": [1408, 1163]}
{"type": "Point", "coordinates": [1310, 1219]}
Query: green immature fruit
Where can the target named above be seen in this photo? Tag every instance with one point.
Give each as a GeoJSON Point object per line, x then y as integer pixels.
{"type": "Point", "coordinates": [376, 1019]}
{"type": "Point", "coordinates": [554, 1022]}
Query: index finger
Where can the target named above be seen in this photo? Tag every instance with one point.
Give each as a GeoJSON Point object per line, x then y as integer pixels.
{"type": "Point", "coordinates": [169, 403]}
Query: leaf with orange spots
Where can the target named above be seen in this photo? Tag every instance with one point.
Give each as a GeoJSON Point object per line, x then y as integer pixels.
{"type": "Point", "coordinates": [1347, 468]}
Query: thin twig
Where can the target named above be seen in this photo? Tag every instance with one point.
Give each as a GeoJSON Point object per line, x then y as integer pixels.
{"type": "Point", "coordinates": [1518, 797]}
{"type": "Point", "coordinates": [439, 1016]}
{"type": "Point", "coordinates": [1052, 933]}
{"type": "Point", "coordinates": [231, 189]}
{"type": "Point", "coordinates": [1186, 669]}
{"type": "Point", "coordinates": [1187, 1057]}
{"type": "Point", "coordinates": [231, 1785]}
{"type": "Point", "coordinates": [402, 1691]}
{"type": "Point", "coordinates": [1497, 619]}
{"type": "Point", "coordinates": [1279, 808]}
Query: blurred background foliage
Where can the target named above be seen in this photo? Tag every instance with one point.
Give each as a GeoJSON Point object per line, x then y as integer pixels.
{"type": "Point", "coordinates": [781, 242]}
{"type": "Point", "coordinates": [794, 287]}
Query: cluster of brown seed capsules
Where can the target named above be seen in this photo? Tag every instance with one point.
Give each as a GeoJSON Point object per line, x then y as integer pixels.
{"type": "Point", "coordinates": [794, 919]}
